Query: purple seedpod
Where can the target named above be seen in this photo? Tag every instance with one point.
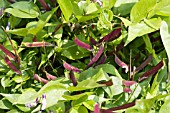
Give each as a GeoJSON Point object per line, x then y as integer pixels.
{"type": "Point", "coordinates": [121, 64]}
{"type": "Point", "coordinates": [151, 71]}
{"type": "Point", "coordinates": [56, 29]}
{"type": "Point", "coordinates": [127, 90]}
{"type": "Point", "coordinates": [107, 111]}
{"type": "Point", "coordinates": [128, 83]}
{"type": "Point", "coordinates": [111, 36]}
{"type": "Point", "coordinates": [144, 64]}
{"type": "Point", "coordinates": [7, 52]}
{"type": "Point", "coordinates": [107, 83]}
{"type": "Point", "coordinates": [82, 44]}
{"type": "Point", "coordinates": [93, 41]}
{"type": "Point", "coordinates": [128, 105]}
{"type": "Point", "coordinates": [70, 67]}
{"type": "Point", "coordinates": [72, 78]}
{"type": "Point", "coordinates": [40, 79]}
{"type": "Point", "coordinates": [96, 108]}
{"type": "Point", "coordinates": [36, 44]}
{"type": "Point", "coordinates": [34, 39]}
{"type": "Point", "coordinates": [9, 63]}
{"type": "Point", "coordinates": [49, 76]}
{"type": "Point", "coordinates": [96, 57]}
{"type": "Point", "coordinates": [45, 6]}
{"type": "Point", "coordinates": [102, 60]}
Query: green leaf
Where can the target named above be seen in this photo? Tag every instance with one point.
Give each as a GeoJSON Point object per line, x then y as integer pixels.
{"type": "Point", "coordinates": [19, 32]}
{"type": "Point", "coordinates": [65, 5]}
{"type": "Point", "coordinates": [82, 109]}
{"type": "Point", "coordinates": [75, 97]}
{"type": "Point", "coordinates": [165, 106]}
{"type": "Point", "coordinates": [108, 68]}
{"type": "Point", "coordinates": [5, 104]}
{"type": "Point", "coordinates": [89, 104]}
{"type": "Point", "coordinates": [27, 97]}
{"type": "Point", "coordinates": [141, 9]}
{"type": "Point", "coordinates": [123, 7]}
{"type": "Point", "coordinates": [165, 36]}
{"type": "Point", "coordinates": [136, 31]}
{"type": "Point", "coordinates": [86, 84]}
{"type": "Point", "coordinates": [91, 8]}
{"type": "Point", "coordinates": [34, 28]}
{"type": "Point", "coordinates": [108, 3]}
{"type": "Point", "coordinates": [11, 97]}
{"type": "Point", "coordinates": [71, 51]}
{"type": "Point", "coordinates": [23, 9]}
{"type": "Point", "coordinates": [53, 91]}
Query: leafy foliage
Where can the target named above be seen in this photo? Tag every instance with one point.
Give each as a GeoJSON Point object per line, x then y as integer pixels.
{"type": "Point", "coordinates": [82, 56]}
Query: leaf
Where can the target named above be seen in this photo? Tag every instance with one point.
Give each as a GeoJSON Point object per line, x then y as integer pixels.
{"type": "Point", "coordinates": [165, 36]}
{"type": "Point", "coordinates": [75, 97]}
{"type": "Point", "coordinates": [23, 9]}
{"type": "Point", "coordinates": [44, 18]}
{"type": "Point", "coordinates": [82, 109]}
{"type": "Point", "coordinates": [165, 106]}
{"type": "Point", "coordinates": [141, 9]}
{"type": "Point", "coordinates": [91, 8]}
{"type": "Point", "coordinates": [5, 104]}
{"type": "Point", "coordinates": [86, 84]}
{"type": "Point", "coordinates": [108, 3]}
{"type": "Point", "coordinates": [135, 29]}
{"type": "Point", "coordinates": [108, 68]}
{"type": "Point", "coordinates": [123, 7]}
{"type": "Point", "coordinates": [64, 5]}
{"type": "Point", "coordinates": [13, 98]}
{"type": "Point", "coordinates": [53, 91]}
{"type": "Point", "coordinates": [19, 32]}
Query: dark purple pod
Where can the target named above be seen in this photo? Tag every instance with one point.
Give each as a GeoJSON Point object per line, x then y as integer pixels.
{"type": "Point", "coordinates": [102, 60]}
{"type": "Point", "coordinates": [144, 64]}
{"type": "Point", "coordinates": [70, 67]}
{"type": "Point", "coordinates": [128, 83]}
{"type": "Point", "coordinates": [7, 52]}
{"type": "Point", "coordinates": [82, 44]}
{"type": "Point", "coordinates": [107, 111]}
{"type": "Point", "coordinates": [40, 79]}
{"type": "Point", "coordinates": [56, 29]}
{"type": "Point", "coordinates": [107, 83]}
{"type": "Point", "coordinates": [111, 36]}
{"type": "Point", "coordinates": [73, 78]}
{"type": "Point", "coordinates": [121, 64]}
{"type": "Point", "coordinates": [151, 71]}
{"type": "Point", "coordinates": [96, 57]}
{"type": "Point", "coordinates": [128, 105]}
{"type": "Point", "coordinates": [93, 41]}
{"type": "Point", "coordinates": [9, 63]}
{"type": "Point", "coordinates": [45, 6]}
